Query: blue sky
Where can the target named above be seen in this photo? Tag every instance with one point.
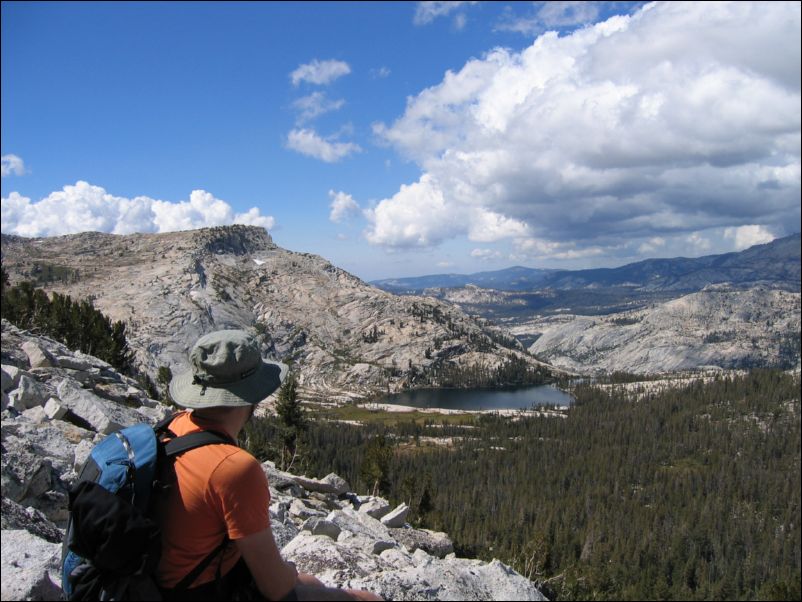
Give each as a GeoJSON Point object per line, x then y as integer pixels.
{"type": "Point", "coordinates": [399, 139]}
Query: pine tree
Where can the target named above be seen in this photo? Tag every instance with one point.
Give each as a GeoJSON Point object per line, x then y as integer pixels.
{"type": "Point", "coordinates": [163, 377]}
{"type": "Point", "coordinates": [375, 469]}
{"type": "Point", "coordinates": [292, 420]}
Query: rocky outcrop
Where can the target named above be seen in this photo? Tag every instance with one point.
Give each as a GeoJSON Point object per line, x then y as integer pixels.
{"type": "Point", "coordinates": [716, 327]}
{"type": "Point", "coordinates": [349, 339]}
{"type": "Point", "coordinates": [59, 404]}
{"type": "Point", "coordinates": [319, 524]}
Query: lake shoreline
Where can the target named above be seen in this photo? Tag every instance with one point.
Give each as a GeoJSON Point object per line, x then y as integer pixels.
{"type": "Point", "coordinates": [507, 401]}
{"type": "Point", "coordinates": [391, 407]}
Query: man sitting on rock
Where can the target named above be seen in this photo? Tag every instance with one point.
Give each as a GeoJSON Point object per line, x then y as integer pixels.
{"type": "Point", "coordinates": [220, 493]}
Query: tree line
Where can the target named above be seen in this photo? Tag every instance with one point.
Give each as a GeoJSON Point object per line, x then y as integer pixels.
{"type": "Point", "coordinates": [75, 323]}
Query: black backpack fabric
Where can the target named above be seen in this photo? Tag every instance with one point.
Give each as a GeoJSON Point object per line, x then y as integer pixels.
{"type": "Point", "coordinates": [113, 542]}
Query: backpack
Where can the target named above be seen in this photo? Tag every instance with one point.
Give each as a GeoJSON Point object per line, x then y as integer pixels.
{"type": "Point", "coordinates": [112, 545]}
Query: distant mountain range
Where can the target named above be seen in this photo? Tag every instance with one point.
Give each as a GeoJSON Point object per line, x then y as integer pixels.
{"type": "Point", "coordinates": [516, 278]}
{"type": "Point", "coordinates": [776, 264]}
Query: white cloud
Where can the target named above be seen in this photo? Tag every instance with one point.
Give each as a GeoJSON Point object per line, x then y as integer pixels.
{"type": "Point", "coordinates": [486, 254]}
{"type": "Point", "coordinates": [320, 72]}
{"type": "Point", "coordinates": [420, 216]}
{"type": "Point", "coordinates": [314, 105]}
{"type": "Point", "coordinates": [84, 207]}
{"type": "Point", "coordinates": [747, 236]}
{"type": "Point", "coordinates": [549, 15]}
{"type": "Point", "coordinates": [652, 245]}
{"type": "Point", "coordinates": [560, 14]}
{"type": "Point", "coordinates": [698, 243]}
{"type": "Point", "coordinates": [307, 142]}
{"type": "Point", "coordinates": [426, 12]}
{"type": "Point", "coordinates": [416, 216]}
{"type": "Point", "coordinates": [535, 248]}
{"type": "Point", "coordinates": [381, 72]}
{"type": "Point", "coordinates": [12, 164]}
{"type": "Point", "coordinates": [682, 118]}
{"type": "Point", "coordinates": [486, 226]}
{"type": "Point", "coordinates": [342, 206]}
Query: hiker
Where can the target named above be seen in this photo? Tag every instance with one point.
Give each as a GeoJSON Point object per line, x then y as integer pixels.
{"type": "Point", "coordinates": [220, 491]}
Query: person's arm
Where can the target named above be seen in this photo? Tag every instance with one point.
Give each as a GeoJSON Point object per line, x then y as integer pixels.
{"type": "Point", "coordinates": [274, 577]}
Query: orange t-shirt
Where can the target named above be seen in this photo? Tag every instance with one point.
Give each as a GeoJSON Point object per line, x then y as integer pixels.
{"type": "Point", "coordinates": [220, 489]}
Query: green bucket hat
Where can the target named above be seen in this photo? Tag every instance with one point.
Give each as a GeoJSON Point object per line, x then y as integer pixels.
{"type": "Point", "coordinates": [227, 369]}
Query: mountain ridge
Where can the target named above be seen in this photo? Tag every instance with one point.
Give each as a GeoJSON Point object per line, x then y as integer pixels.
{"type": "Point", "coordinates": [776, 263]}
{"type": "Point", "coordinates": [348, 339]}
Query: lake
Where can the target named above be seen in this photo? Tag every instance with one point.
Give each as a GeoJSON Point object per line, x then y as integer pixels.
{"type": "Point", "coordinates": [521, 398]}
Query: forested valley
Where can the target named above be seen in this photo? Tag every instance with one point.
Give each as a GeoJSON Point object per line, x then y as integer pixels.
{"type": "Point", "coordinates": [686, 493]}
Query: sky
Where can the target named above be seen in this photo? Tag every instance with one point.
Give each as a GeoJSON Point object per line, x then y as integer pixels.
{"type": "Point", "coordinates": [408, 138]}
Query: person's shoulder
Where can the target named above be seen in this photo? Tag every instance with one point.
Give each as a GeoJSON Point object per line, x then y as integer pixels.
{"type": "Point", "coordinates": [238, 463]}
{"type": "Point", "coordinates": [241, 456]}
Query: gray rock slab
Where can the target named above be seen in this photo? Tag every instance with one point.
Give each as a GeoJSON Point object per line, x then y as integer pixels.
{"type": "Point", "coordinates": [82, 451]}
{"type": "Point", "coordinates": [299, 510]}
{"type": "Point", "coordinates": [358, 523]}
{"type": "Point", "coordinates": [432, 542]}
{"type": "Point", "coordinates": [54, 409]}
{"type": "Point", "coordinates": [55, 441]}
{"type": "Point", "coordinates": [82, 363]}
{"type": "Point", "coordinates": [397, 517]}
{"type": "Point", "coordinates": [314, 484]}
{"type": "Point", "coordinates": [38, 356]}
{"type": "Point", "coordinates": [16, 516]}
{"type": "Point", "coordinates": [329, 561]}
{"type": "Point", "coordinates": [457, 579]}
{"type": "Point", "coordinates": [339, 484]}
{"type": "Point", "coordinates": [28, 394]}
{"type": "Point", "coordinates": [23, 473]}
{"type": "Point", "coordinates": [53, 504]}
{"type": "Point", "coordinates": [104, 416]}
{"type": "Point", "coordinates": [9, 376]}
{"type": "Point", "coordinates": [284, 531]}
{"type": "Point", "coordinates": [320, 526]}
{"type": "Point", "coordinates": [29, 567]}
{"type": "Point", "coordinates": [375, 507]}
{"type": "Point", "coordinates": [153, 414]}
{"type": "Point", "coordinates": [380, 546]}
{"type": "Point", "coordinates": [281, 481]}
{"type": "Point", "coordinates": [35, 415]}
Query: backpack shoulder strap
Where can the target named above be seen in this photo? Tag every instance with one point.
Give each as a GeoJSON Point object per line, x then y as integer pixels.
{"type": "Point", "coordinates": [162, 425]}
{"type": "Point", "coordinates": [184, 443]}
{"type": "Point", "coordinates": [179, 445]}
{"type": "Point", "coordinates": [189, 579]}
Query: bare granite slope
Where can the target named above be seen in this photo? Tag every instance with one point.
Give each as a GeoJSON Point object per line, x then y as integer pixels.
{"type": "Point", "coordinates": [718, 326]}
{"type": "Point", "coordinates": [349, 339]}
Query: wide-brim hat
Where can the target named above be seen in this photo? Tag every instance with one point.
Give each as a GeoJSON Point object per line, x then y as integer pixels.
{"type": "Point", "coordinates": [226, 369]}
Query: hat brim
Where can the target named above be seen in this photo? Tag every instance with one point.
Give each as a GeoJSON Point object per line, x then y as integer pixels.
{"type": "Point", "coordinates": [249, 391]}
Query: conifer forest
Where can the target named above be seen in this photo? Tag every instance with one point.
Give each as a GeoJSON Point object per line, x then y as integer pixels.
{"type": "Point", "coordinates": [634, 494]}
